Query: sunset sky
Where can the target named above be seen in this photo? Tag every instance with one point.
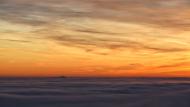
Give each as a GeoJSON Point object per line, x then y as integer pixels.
{"type": "Point", "coordinates": [101, 38]}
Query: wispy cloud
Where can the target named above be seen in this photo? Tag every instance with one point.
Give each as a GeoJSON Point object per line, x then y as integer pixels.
{"type": "Point", "coordinates": [112, 44]}
{"type": "Point", "coordinates": [135, 38]}
{"type": "Point", "coordinates": [157, 13]}
{"type": "Point", "coordinates": [15, 40]}
{"type": "Point", "coordinates": [175, 65]}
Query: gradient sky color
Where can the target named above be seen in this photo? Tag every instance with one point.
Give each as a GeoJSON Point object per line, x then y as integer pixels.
{"type": "Point", "coordinates": [103, 38]}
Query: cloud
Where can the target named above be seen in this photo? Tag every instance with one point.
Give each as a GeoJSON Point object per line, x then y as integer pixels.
{"type": "Point", "coordinates": [118, 40]}
{"type": "Point", "coordinates": [179, 64]}
{"type": "Point", "coordinates": [95, 32]}
{"type": "Point", "coordinates": [167, 49]}
{"type": "Point", "coordinates": [72, 15]}
{"type": "Point", "coordinates": [111, 44]}
{"type": "Point", "coordinates": [14, 40]}
{"type": "Point", "coordinates": [160, 13]}
{"type": "Point", "coordinates": [127, 68]}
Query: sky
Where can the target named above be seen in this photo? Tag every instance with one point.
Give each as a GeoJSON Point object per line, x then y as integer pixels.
{"type": "Point", "coordinates": [95, 38]}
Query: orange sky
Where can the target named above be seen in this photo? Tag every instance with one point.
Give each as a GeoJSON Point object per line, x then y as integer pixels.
{"type": "Point", "coordinates": [102, 38]}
